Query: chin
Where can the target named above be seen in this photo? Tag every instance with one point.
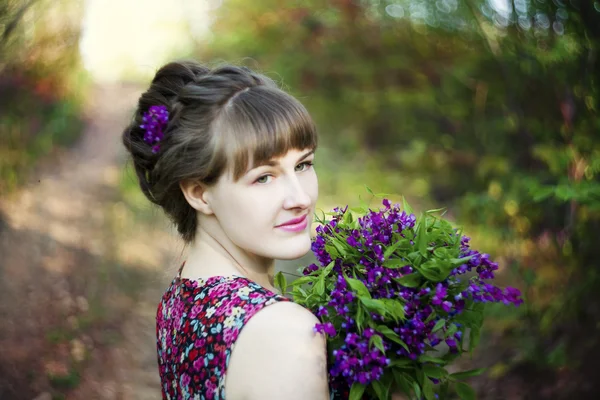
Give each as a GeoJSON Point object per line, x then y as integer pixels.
{"type": "Point", "coordinates": [292, 256]}
{"type": "Point", "coordinates": [295, 249]}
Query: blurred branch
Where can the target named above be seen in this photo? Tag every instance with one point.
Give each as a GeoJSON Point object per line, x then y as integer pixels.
{"type": "Point", "coordinates": [14, 21]}
{"type": "Point", "coordinates": [586, 10]}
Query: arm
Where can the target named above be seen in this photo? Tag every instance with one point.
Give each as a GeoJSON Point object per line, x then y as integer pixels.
{"type": "Point", "coordinates": [278, 356]}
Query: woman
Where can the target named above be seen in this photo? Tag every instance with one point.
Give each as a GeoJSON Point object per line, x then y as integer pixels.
{"type": "Point", "coordinates": [229, 158]}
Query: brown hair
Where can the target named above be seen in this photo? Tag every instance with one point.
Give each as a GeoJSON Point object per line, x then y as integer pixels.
{"type": "Point", "coordinates": [220, 120]}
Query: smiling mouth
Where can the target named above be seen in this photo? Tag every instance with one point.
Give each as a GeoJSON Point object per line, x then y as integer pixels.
{"type": "Point", "coordinates": [295, 225]}
{"type": "Point", "coordinates": [294, 221]}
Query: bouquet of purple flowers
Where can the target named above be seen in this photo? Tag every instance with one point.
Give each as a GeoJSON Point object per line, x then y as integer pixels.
{"type": "Point", "coordinates": [398, 298]}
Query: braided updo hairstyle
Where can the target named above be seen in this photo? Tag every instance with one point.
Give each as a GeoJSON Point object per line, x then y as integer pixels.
{"type": "Point", "coordinates": [220, 120]}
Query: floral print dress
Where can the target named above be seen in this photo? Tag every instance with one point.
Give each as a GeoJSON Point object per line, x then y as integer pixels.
{"type": "Point", "coordinates": [197, 324]}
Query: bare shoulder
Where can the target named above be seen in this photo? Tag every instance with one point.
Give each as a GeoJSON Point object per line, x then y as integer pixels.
{"type": "Point", "coordinates": [279, 356]}
{"type": "Point", "coordinates": [284, 311]}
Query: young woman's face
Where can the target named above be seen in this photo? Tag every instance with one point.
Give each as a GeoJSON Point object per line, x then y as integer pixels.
{"type": "Point", "coordinates": [268, 212]}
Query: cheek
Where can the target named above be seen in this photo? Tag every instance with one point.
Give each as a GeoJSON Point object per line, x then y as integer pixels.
{"type": "Point", "coordinates": [310, 184]}
{"type": "Point", "coordinates": [243, 212]}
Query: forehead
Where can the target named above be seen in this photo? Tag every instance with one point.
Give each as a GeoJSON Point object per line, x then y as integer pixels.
{"type": "Point", "coordinates": [264, 126]}
{"type": "Point", "coordinates": [291, 155]}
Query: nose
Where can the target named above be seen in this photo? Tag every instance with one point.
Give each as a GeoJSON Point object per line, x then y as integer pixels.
{"type": "Point", "coordinates": [296, 195]}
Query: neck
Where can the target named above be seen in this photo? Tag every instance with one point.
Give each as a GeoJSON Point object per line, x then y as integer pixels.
{"type": "Point", "coordinates": [213, 253]}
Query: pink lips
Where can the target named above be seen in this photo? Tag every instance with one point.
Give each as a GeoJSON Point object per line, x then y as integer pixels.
{"type": "Point", "coordinates": [294, 225]}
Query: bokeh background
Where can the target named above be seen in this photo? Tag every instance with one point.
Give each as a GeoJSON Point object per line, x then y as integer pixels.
{"type": "Point", "coordinates": [487, 107]}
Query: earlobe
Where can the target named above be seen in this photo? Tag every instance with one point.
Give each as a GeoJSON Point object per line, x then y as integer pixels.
{"type": "Point", "coordinates": [197, 196]}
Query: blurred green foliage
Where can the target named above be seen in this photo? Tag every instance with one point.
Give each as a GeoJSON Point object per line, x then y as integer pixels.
{"type": "Point", "coordinates": [491, 111]}
{"type": "Point", "coordinates": [41, 83]}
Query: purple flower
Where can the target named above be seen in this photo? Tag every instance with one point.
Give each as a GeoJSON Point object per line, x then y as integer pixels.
{"type": "Point", "coordinates": [327, 328]}
{"type": "Point", "coordinates": [155, 121]}
{"type": "Point", "coordinates": [440, 294]}
{"type": "Point", "coordinates": [322, 312]}
{"type": "Point", "coordinates": [359, 356]}
{"type": "Point", "coordinates": [512, 295]}
{"type": "Point", "coordinates": [446, 306]}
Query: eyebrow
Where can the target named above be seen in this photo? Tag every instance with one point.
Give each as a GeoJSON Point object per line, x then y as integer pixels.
{"type": "Point", "coordinates": [273, 163]}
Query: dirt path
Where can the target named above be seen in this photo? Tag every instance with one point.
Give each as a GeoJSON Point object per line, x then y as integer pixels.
{"type": "Point", "coordinates": [80, 274]}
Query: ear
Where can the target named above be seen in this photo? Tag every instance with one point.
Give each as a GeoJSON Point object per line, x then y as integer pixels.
{"type": "Point", "coordinates": [197, 196]}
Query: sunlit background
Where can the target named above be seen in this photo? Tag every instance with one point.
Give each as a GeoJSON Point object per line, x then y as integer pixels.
{"type": "Point", "coordinates": [486, 107]}
{"type": "Point", "coordinates": [130, 39]}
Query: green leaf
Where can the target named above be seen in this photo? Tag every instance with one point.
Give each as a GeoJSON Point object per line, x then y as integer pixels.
{"type": "Point", "coordinates": [565, 192]}
{"type": "Point", "coordinates": [390, 250]}
{"type": "Point", "coordinates": [390, 334]}
{"type": "Point", "coordinates": [369, 190]}
{"type": "Point", "coordinates": [428, 390]}
{"type": "Point", "coordinates": [441, 252]}
{"type": "Point", "coordinates": [417, 390]}
{"type": "Point", "coordinates": [474, 336]}
{"type": "Point", "coordinates": [406, 206]}
{"type": "Point", "coordinates": [434, 372]}
{"type": "Point", "coordinates": [470, 318]}
{"type": "Point", "coordinates": [422, 239]}
{"type": "Point", "coordinates": [332, 251]}
{"type": "Point", "coordinates": [348, 217]}
{"type": "Point", "coordinates": [450, 331]}
{"type": "Point", "coordinates": [280, 282]}
{"type": "Point", "coordinates": [529, 276]}
{"type": "Point", "coordinates": [403, 381]}
{"type": "Point", "coordinates": [541, 193]}
{"type": "Point", "coordinates": [436, 210]}
{"type": "Point", "coordinates": [357, 390]}
{"type": "Point", "coordinates": [360, 317]}
{"type": "Point", "coordinates": [443, 225]}
{"type": "Point", "coordinates": [298, 293]}
{"type": "Point", "coordinates": [328, 268]}
{"type": "Point", "coordinates": [380, 389]}
{"type": "Point", "coordinates": [431, 316]}
{"type": "Point", "coordinates": [363, 204]}
{"type": "Point", "coordinates": [415, 257]}
{"type": "Point", "coordinates": [425, 358]}
{"type": "Point", "coordinates": [449, 358]}
{"type": "Point", "coordinates": [467, 374]}
{"type": "Point", "coordinates": [303, 281]}
{"type": "Point", "coordinates": [445, 268]}
{"type": "Point", "coordinates": [395, 308]}
{"type": "Point", "coordinates": [358, 287]}
{"type": "Point", "coordinates": [430, 271]}
{"type": "Point", "coordinates": [374, 305]}
{"type": "Point", "coordinates": [459, 261]}
{"type": "Point", "coordinates": [339, 246]}
{"type": "Point", "coordinates": [420, 375]}
{"type": "Point", "coordinates": [443, 391]}
{"type": "Point", "coordinates": [410, 280]}
{"type": "Point", "coordinates": [438, 325]}
{"type": "Point", "coordinates": [394, 263]}
{"type": "Point", "coordinates": [465, 391]}
{"type": "Point", "coordinates": [320, 285]}
{"type": "Point", "coordinates": [377, 341]}
{"type": "Point", "coordinates": [401, 362]}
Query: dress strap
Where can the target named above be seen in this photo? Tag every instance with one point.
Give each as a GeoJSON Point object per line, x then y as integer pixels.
{"type": "Point", "coordinates": [180, 269]}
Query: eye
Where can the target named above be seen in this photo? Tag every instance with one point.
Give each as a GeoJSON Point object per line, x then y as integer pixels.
{"type": "Point", "coordinates": [304, 166]}
{"type": "Point", "coordinates": [263, 179]}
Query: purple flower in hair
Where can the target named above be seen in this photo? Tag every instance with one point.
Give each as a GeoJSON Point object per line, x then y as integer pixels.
{"type": "Point", "coordinates": [155, 122]}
